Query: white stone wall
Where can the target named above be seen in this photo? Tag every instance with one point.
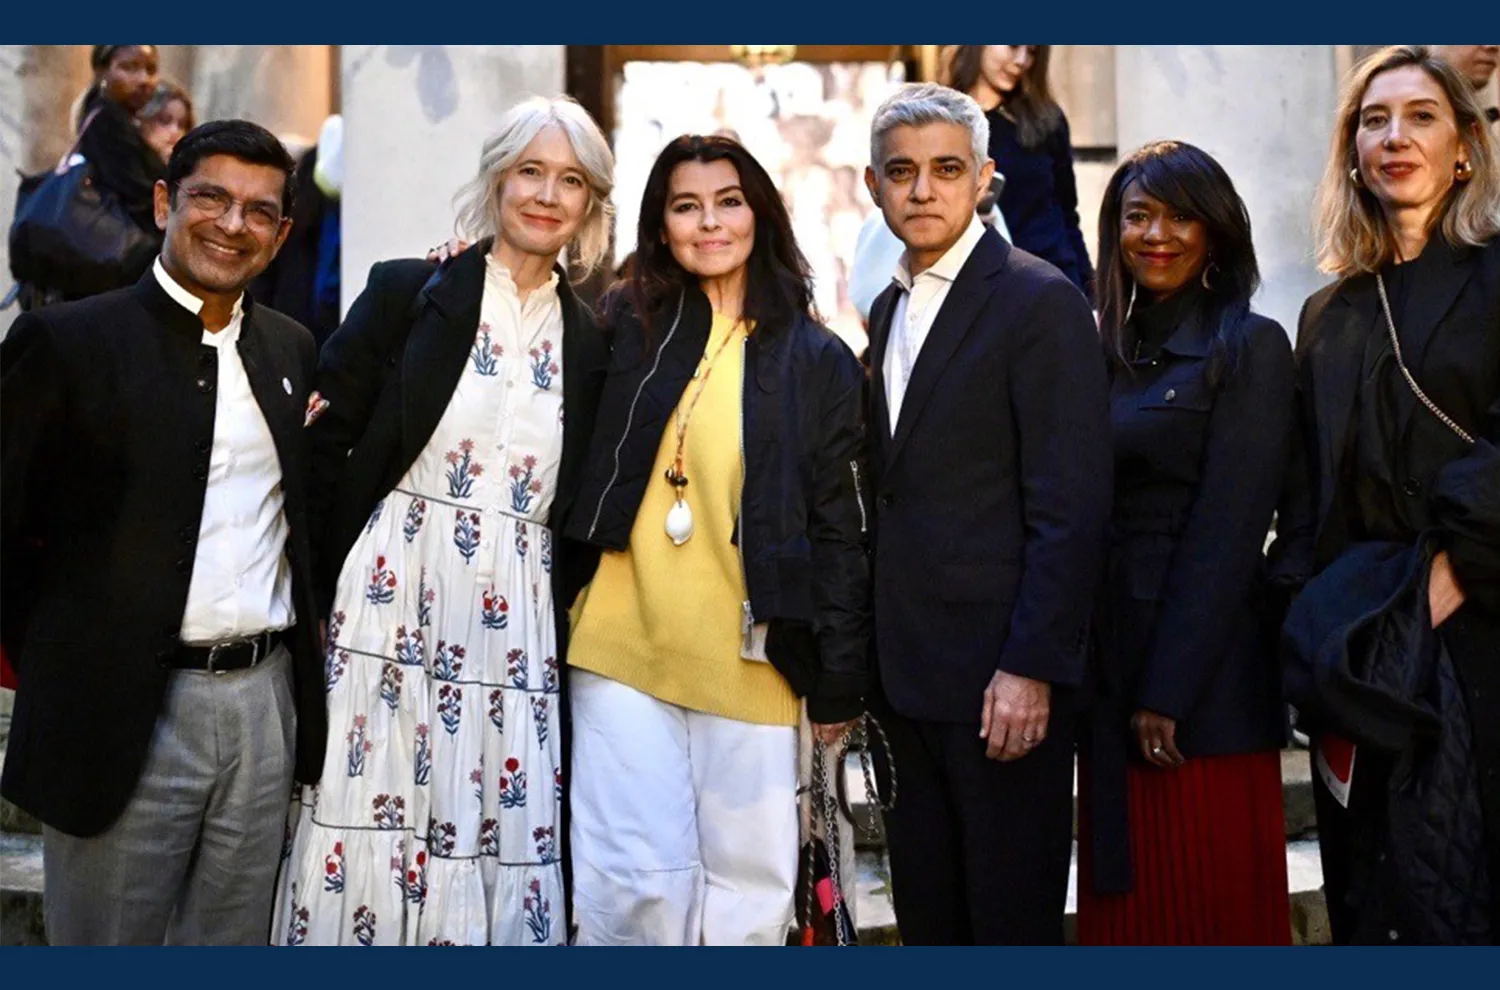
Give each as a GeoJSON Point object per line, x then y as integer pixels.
{"type": "Point", "coordinates": [1265, 112]}
{"type": "Point", "coordinates": [415, 117]}
{"type": "Point", "coordinates": [284, 88]}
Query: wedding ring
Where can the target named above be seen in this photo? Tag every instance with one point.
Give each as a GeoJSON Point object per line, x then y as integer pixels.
{"type": "Point", "coordinates": [1157, 751]}
{"type": "Point", "coordinates": [1028, 740]}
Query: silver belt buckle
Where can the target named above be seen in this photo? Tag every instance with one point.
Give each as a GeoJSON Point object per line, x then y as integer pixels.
{"type": "Point", "coordinates": [213, 651]}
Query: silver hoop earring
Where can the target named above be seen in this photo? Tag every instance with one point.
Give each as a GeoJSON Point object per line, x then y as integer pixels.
{"type": "Point", "coordinates": [1130, 308]}
{"type": "Point", "coordinates": [1203, 278]}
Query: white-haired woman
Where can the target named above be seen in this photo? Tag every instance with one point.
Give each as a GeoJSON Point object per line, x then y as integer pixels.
{"type": "Point", "coordinates": [452, 412]}
{"type": "Point", "coordinates": [1393, 520]}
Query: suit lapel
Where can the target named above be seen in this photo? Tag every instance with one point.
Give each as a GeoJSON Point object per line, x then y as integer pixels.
{"type": "Point", "coordinates": [1338, 366]}
{"type": "Point", "coordinates": [280, 408]}
{"type": "Point", "coordinates": [439, 345]}
{"type": "Point", "coordinates": [1441, 282]}
{"type": "Point", "coordinates": [955, 319]}
{"type": "Point", "coordinates": [880, 335]}
{"type": "Point", "coordinates": [585, 363]}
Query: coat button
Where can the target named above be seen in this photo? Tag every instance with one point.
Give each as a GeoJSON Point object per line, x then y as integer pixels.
{"type": "Point", "coordinates": [886, 501]}
{"type": "Point", "coordinates": [201, 472]}
{"type": "Point", "coordinates": [1171, 394]}
{"type": "Point", "coordinates": [188, 534]}
{"type": "Point", "coordinates": [164, 658]}
{"type": "Point", "coordinates": [203, 446]}
{"type": "Point", "coordinates": [1413, 487]}
{"type": "Point", "coordinates": [185, 565]}
{"type": "Point", "coordinates": [205, 386]}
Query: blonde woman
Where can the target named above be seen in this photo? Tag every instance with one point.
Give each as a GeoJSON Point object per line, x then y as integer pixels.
{"type": "Point", "coordinates": [452, 412]}
{"type": "Point", "coordinates": [1393, 522]}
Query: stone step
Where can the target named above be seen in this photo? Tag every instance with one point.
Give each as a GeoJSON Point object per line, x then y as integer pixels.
{"type": "Point", "coordinates": [21, 890]}
{"type": "Point", "coordinates": [12, 819]}
{"type": "Point", "coordinates": [21, 894]}
{"type": "Point", "coordinates": [876, 917]}
{"type": "Point", "coordinates": [1296, 796]}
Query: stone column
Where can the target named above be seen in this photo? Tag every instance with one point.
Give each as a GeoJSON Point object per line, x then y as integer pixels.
{"type": "Point", "coordinates": [39, 86]}
{"type": "Point", "coordinates": [1266, 113]}
{"type": "Point", "coordinates": [285, 88]}
{"type": "Point", "coordinates": [12, 157]}
{"type": "Point", "coordinates": [415, 117]}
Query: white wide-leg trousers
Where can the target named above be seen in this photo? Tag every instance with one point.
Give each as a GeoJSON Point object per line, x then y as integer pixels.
{"type": "Point", "coordinates": [684, 824]}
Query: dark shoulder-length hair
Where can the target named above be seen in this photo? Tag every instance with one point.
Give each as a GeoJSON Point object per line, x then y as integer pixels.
{"type": "Point", "coordinates": [778, 286]}
{"type": "Point", "coordinates": [1031, 103]}
{"type": "Point", "coordinates": [1189, 180]}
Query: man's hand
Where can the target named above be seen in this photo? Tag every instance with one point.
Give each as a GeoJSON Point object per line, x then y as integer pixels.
{"type": "Point", "coordinates": [1157, 735]}
{"type": "Point", "coordinates": [451, 248]}
{"type": "Point", "coordinates": [1444, 596]}
{"type": "Point", "coordinates": [1014, 717]}
{"type": "Point", "coordinates": [831, 734]}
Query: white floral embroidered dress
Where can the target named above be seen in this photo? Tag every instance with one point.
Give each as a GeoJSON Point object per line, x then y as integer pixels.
{"type": "Point", "coordinates": [436, 818]}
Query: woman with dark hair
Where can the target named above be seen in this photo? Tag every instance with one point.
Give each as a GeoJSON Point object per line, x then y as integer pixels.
{"type": "Point", "coordinates": [1180, 825]}
{"type": "Point", "coordinates": [1031, 148]}
{"type": "Point", "coordinates": [110, 137]}
{"type": "Point", "coordinates": [166, 117]}
{"type": "Point", "coordinates": [1390, 533]}
{"type": "Point", "coordinates": [723, 488]}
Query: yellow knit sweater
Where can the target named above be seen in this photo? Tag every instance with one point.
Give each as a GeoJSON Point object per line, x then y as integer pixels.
{"type": "Point", "coordinates": [665, 619]}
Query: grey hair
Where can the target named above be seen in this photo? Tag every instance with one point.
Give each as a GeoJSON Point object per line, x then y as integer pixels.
{"type": "Point", "coordinates": [478, 202]}
{"type": "Point", "coordinates": [916, 104]}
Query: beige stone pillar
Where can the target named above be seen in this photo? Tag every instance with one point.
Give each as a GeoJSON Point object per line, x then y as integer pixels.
{"type": "Point", "coordinates": [285, 88]}
{"type": "Point", "coordinates": [415, 117]}
{"type": "Point", "coordinates": [53, 77]}
{"type": "Point", "coordinates": [12, 157]}
{"type": "Point", "coordinates": [39, 85]}
{"type": "Point", "coordinates": [1266, 113]}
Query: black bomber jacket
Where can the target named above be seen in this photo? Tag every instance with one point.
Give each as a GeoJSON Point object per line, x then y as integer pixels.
{"type": "Point", "coordinates": [803, 520]}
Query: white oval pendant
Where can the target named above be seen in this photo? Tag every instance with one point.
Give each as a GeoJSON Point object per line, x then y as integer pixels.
{"type": "Point", "coordinates": [680, 523]}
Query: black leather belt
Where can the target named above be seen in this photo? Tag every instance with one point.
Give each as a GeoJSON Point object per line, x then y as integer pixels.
{"type": "Point", "coordinates": [234, 654]}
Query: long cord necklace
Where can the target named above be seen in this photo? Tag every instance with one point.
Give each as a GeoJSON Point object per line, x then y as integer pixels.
{"type": "Point", "coordinates": [680, 517]}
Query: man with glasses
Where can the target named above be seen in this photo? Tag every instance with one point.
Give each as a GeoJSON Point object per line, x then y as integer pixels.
{"type": "Point", "coordinates": [158, 595]}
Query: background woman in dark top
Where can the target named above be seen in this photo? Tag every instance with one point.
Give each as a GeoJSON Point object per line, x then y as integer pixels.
{"type": "Point", "coordinates": [124, 81]}
{"type": "Point", "coordinates": [1409, 214]}
{"type": "Point", "coordinates": [1032, 148]}
{"type": "Point", "coordinates": [1181, 769]}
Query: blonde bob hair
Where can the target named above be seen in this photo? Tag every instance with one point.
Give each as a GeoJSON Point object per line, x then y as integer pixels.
{"type": "Point", "coordinates": [478, 202]}
{"type": "Point", "coordinates": [1353, 234]}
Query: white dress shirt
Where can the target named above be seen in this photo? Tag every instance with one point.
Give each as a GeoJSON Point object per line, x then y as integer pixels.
{"type": "Point", "coordinates": [242, 583]}
{"type": "Point", "coordinates": [916, 309]}
{"type": "Point", "coordinates": [877, 251]}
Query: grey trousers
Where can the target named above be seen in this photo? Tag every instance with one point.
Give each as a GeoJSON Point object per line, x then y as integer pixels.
{"type": "Point", "coordinates": [192, 860]}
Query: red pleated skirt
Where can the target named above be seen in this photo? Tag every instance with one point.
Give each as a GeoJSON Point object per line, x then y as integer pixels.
{"type": "Point", "coordinates": [1208, 844]}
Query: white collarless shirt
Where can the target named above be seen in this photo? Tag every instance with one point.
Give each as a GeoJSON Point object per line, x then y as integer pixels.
{"type": "Point", "coordinates": [242, 582]}
{"type": "Point", "coordinates": [916, 308]}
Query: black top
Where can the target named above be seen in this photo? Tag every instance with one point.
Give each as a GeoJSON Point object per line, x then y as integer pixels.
{"type": "Point", "coordinates": [1040, 198]}
{"type": "Point", "coordinates": [1380, 508]}
{"type": "Point", "coordinates": [122, 161]}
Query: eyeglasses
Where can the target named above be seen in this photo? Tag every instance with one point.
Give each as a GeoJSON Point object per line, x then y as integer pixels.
{"type": "Point", "coordinates": [211, 203]}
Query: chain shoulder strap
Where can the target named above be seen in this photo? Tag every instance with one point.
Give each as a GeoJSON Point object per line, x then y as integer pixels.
{"type": "Point", "coordinates": [1432, 407]}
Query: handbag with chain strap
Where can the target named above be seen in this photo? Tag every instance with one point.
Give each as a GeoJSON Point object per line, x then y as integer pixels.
{"type": "Point", "coordinates": [825, 864]}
